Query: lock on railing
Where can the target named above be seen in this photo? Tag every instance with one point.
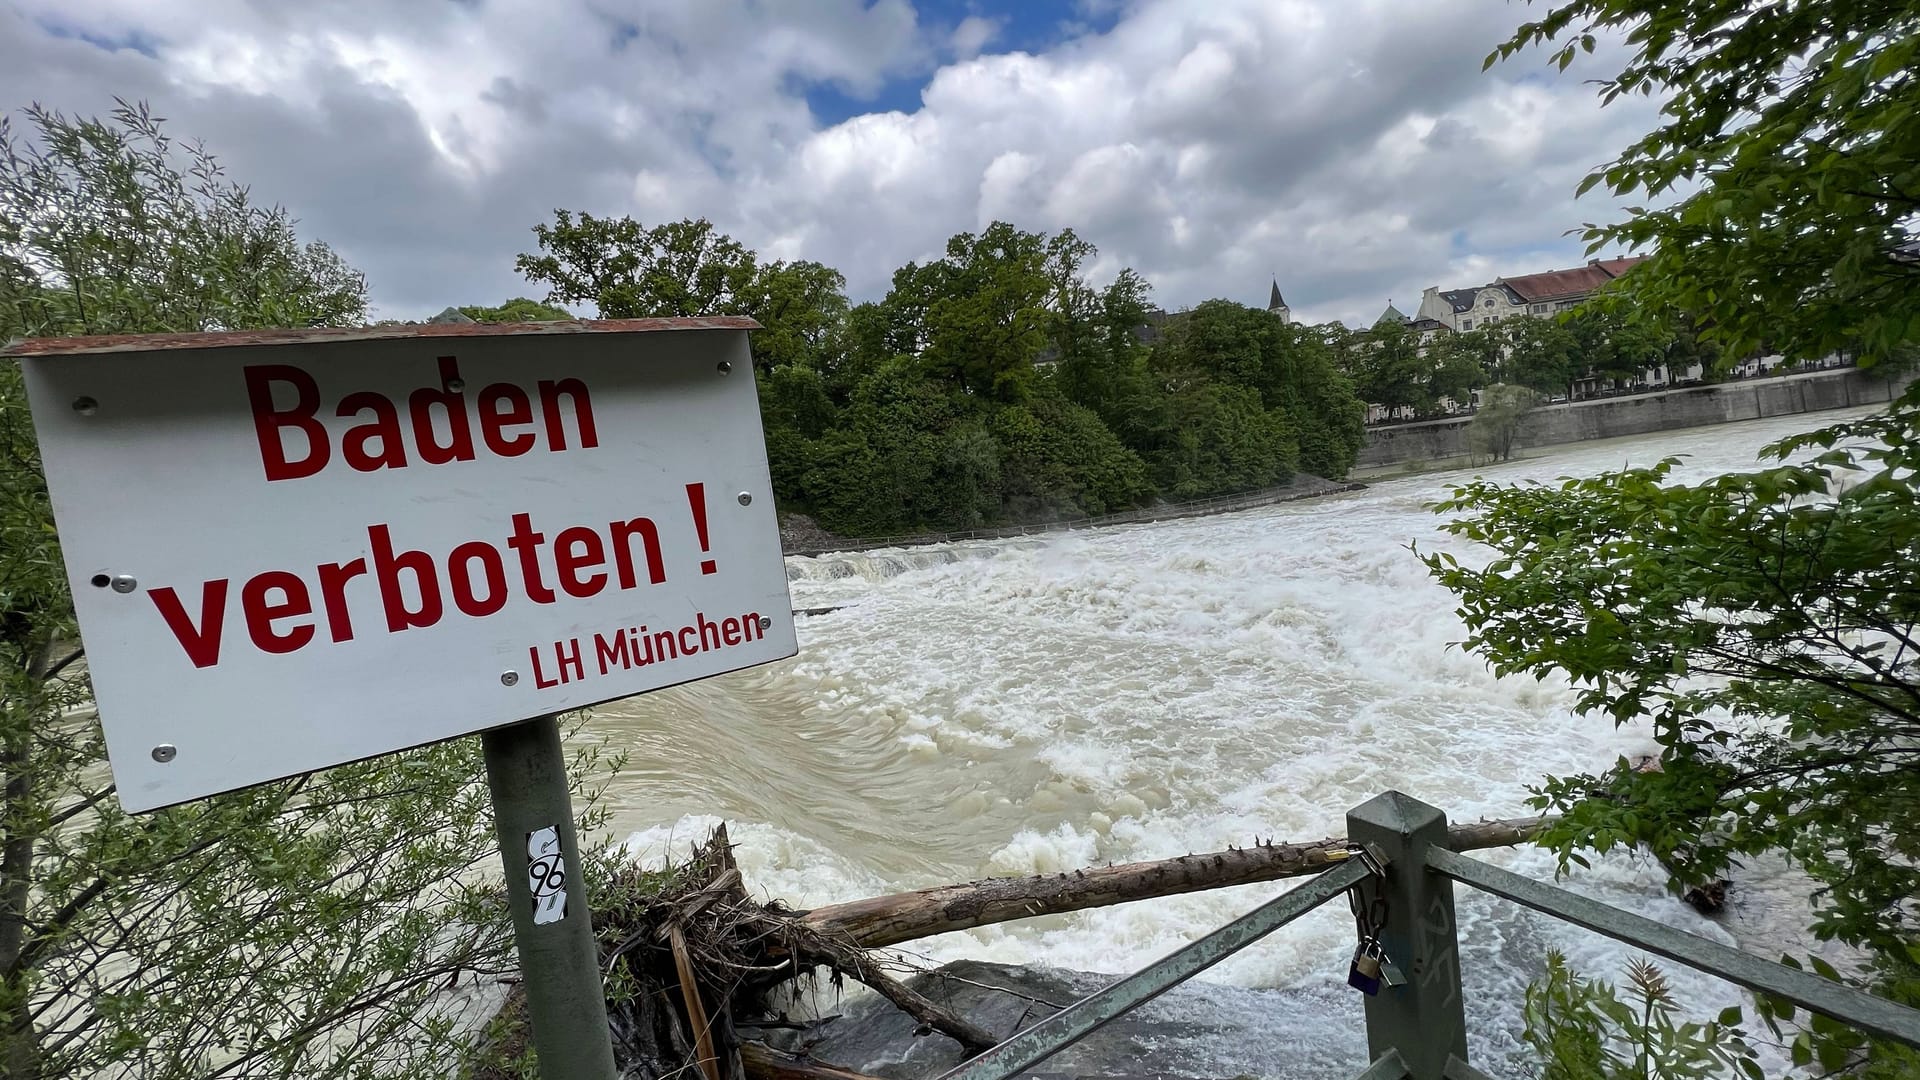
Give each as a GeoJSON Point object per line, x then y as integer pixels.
{"type": "Point", "coordinates": [1370, 967]}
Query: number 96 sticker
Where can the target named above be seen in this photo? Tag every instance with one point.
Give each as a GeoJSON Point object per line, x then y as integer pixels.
{"type": "Point", "coordinates": [547, 875]}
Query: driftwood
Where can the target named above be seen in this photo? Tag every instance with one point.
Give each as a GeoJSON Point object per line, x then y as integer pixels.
{"type": "Point", "coordinates": [705, 1055]}
{"type": "Point", "coordinates": [857, 963]}
{"type": "Point", "coordinates": [766, 1063]}
{"type": "Point", "coordinates": [889, 920]}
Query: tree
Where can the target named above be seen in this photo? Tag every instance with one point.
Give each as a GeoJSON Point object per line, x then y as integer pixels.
{"type": "Point", "coordinates": [1615, 345]}
{"type": "Point", "coordinates": [987, 316]}
{"type": "Point", "coordinates": [103, 229]}
{"type": "Point", "coordinates": [517, 310]}
{"type": "Point", "coordinates": [628, 271]}
{"type": "Point", "coordinates": [1762, 622]}
{"type": "Point", "coordinates": [1534, 353]}
{"type": "Point", "coordinates": [1496, 426]}
{"type": "Point", "coordinates": [1388, 370]}
{"type": "Point", "coordinates": [1058, 460]}
{"type": "Point", "coordinates": [1790, 132]}
{"type": "Point", "coordinates": [298, 928]}
{"type": "Point", "coordinates": [1074, 303]}
{"type": "Point", "coordinates": [1454, 376]}
{"type": "Point", "coordinates": [802, 311]}
{"type": "Point", "coordinates": [1327, 417]}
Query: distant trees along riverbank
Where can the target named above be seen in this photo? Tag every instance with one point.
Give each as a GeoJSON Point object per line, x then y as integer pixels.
{"type": "Point", "coordinates": [995, 384]}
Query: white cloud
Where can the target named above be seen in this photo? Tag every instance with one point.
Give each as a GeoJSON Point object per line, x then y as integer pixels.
{"type": "Point", "coordinates": [972, 35]}
{"type": "Point", "coordinates": [1353, 146]}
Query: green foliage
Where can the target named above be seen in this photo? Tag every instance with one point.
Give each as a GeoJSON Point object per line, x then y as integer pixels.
{"type": "Point", "coordinates": [1220, 439]}
{"type": "Point", "coordinates": [628, 271]}
{"type": "Point", "coordinates": [802, 311]}
{"type": "Point", "coordinates": [1388, 370]}
{"type": "Point", "coordinates": [878, 472]}
{"type": "Point", "coordinates": [983, 310]}
{"type": "Point", "coordinates": [517, 310]}
{"type": "Point", "coordinates": [1583, 1030]}
{"type": "Point", "coordinates": [1814, 1039]}
{"type": "Point", "coordinates": [1792, 129]}
{"type": "Point", "coordinates": [1059, 460]}
{"type": "Point", "coordinates": [302, 928]}
{"type": "Point", "coordinates": [1495, 429]}
{"type": "Point", "coordinates": [1764, 624]}
{"type": "Point", "coordinates": [107, 228]}
{"type": "Point", "coordinates": [993, 384]}
{"type": "Point", "coordinates": [1209, 438]}
{"type": "Point", "coordinates": [1539, 354]}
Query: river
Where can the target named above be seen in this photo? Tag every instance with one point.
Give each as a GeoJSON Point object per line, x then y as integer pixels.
{"type": "Point", "coordinates": [1138, 692]}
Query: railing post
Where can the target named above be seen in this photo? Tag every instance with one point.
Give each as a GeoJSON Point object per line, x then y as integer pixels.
{"type": "Point", "coordinates": [1425, 1020]}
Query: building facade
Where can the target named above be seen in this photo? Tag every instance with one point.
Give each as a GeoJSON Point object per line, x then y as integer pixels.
{"type": "Point", "coordinates": [1531, 295]}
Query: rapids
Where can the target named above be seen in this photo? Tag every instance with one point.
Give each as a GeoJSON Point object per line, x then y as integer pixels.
{"type": "Point", "coordinates": [1137, 692]}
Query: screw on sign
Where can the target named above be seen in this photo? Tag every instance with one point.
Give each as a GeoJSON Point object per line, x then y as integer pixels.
{"type": "Point", "coordinates": [547, 875]}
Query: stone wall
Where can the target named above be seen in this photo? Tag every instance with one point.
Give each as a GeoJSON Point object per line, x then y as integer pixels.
{"type": "Point", "coordinates": [1607, 418]}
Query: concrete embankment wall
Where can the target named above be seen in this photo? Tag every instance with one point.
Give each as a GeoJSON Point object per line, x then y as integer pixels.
{"type": "Point", "coordinates": [1722, 403]}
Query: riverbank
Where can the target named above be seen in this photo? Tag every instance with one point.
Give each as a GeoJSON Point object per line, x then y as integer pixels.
{"type": "Point", "coordinates": [1430, 444]}
{"type": "Point", "coordinates": [801, 535]}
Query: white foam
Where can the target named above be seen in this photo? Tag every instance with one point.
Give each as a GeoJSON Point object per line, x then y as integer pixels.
{"type": "Point", "coordinates": [1139, 692]}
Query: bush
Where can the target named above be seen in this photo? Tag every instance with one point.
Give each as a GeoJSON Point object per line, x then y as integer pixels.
{"type": "Point", "coordinates": [1582, 1030]}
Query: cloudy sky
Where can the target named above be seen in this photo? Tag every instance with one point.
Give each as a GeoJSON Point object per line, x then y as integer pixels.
{"type": "Point", "coordinates": [1352, 147]}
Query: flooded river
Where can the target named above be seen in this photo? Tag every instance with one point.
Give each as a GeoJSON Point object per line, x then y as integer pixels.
{"type": "Point", "coordinates": [1138, 692]}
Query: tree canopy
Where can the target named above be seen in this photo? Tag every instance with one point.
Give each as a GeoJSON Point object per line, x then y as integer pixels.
{"type": "Point", "coordinates": [1789, 151]}
{"type": "Point", "coordinates": [996, 383]}
{"type": "Point", "coordinates": [1763, 623]}
{"type": "Point", "coordinates": [107, 228]}
{"type": "Point", "coordinates": [517, 310]}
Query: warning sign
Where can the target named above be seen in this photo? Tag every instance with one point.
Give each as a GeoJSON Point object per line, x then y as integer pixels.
{"type": "Point", "coordinates": [294, 550]}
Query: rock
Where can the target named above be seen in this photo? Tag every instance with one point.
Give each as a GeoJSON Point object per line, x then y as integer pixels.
{"type": "Point", "coordinates": [1709, 899]}
{"type": "Point", "coordinates": [451, 315]}
{"type": "Point", "coordinates": [1195, 1030]}
{"type": "Point", "coordinates": [800, 532]}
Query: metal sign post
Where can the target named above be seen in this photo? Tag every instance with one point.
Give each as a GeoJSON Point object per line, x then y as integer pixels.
{"type": "Point", "coordinates": [533, 814]}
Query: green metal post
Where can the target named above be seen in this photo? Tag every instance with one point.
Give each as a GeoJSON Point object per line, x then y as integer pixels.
{"type": "Point", "coordinates": [533, 815]}
{"type": "Point", "coordinates": [1425, 1020]}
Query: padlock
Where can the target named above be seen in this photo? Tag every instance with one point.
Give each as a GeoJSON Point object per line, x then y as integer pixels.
{"type": "Point", "coordinates": [1364, 975]}
{"type": "Point", "coordinates": [1390, 974]}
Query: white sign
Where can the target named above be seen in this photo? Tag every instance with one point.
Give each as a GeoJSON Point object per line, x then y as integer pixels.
{"type": "Point", "coordinates": [292, 554]}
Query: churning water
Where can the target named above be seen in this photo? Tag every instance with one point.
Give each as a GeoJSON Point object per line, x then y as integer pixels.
{"type": "Point", "coordinates": [1139, 692]}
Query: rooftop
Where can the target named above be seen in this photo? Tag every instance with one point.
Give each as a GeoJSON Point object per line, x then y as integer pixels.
{"type": "Point", "coordinates": [229, 339]}
{"type": "Point", "coordinates": [1578, 281]}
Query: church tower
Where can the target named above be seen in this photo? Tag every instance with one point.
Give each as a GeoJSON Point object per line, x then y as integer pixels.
{"type": "Point", "coordinates": [1277, 305]}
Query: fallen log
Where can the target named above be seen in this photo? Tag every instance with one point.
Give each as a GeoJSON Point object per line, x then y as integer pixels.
{"type": "Point", "coordinates": [889, 920]}
{"type": "Point", "coordinates": [854, 961]}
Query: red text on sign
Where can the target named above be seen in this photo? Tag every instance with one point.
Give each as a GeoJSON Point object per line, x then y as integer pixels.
{"type": "Point", "coordinates": [434, 426]}
{"type": "Point", "coordinates": [284, 611]}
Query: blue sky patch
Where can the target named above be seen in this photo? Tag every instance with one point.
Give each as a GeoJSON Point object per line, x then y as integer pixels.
{"type": "Point", "coordinates": [1033, 26]}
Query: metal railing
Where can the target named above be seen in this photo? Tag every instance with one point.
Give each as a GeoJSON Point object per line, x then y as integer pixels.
{"type": "Point", "coordinates": [1399, 864]}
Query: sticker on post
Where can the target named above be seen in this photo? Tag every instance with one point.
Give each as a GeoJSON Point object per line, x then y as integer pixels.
{"type": "Point", "coordinates": [547, 875]}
